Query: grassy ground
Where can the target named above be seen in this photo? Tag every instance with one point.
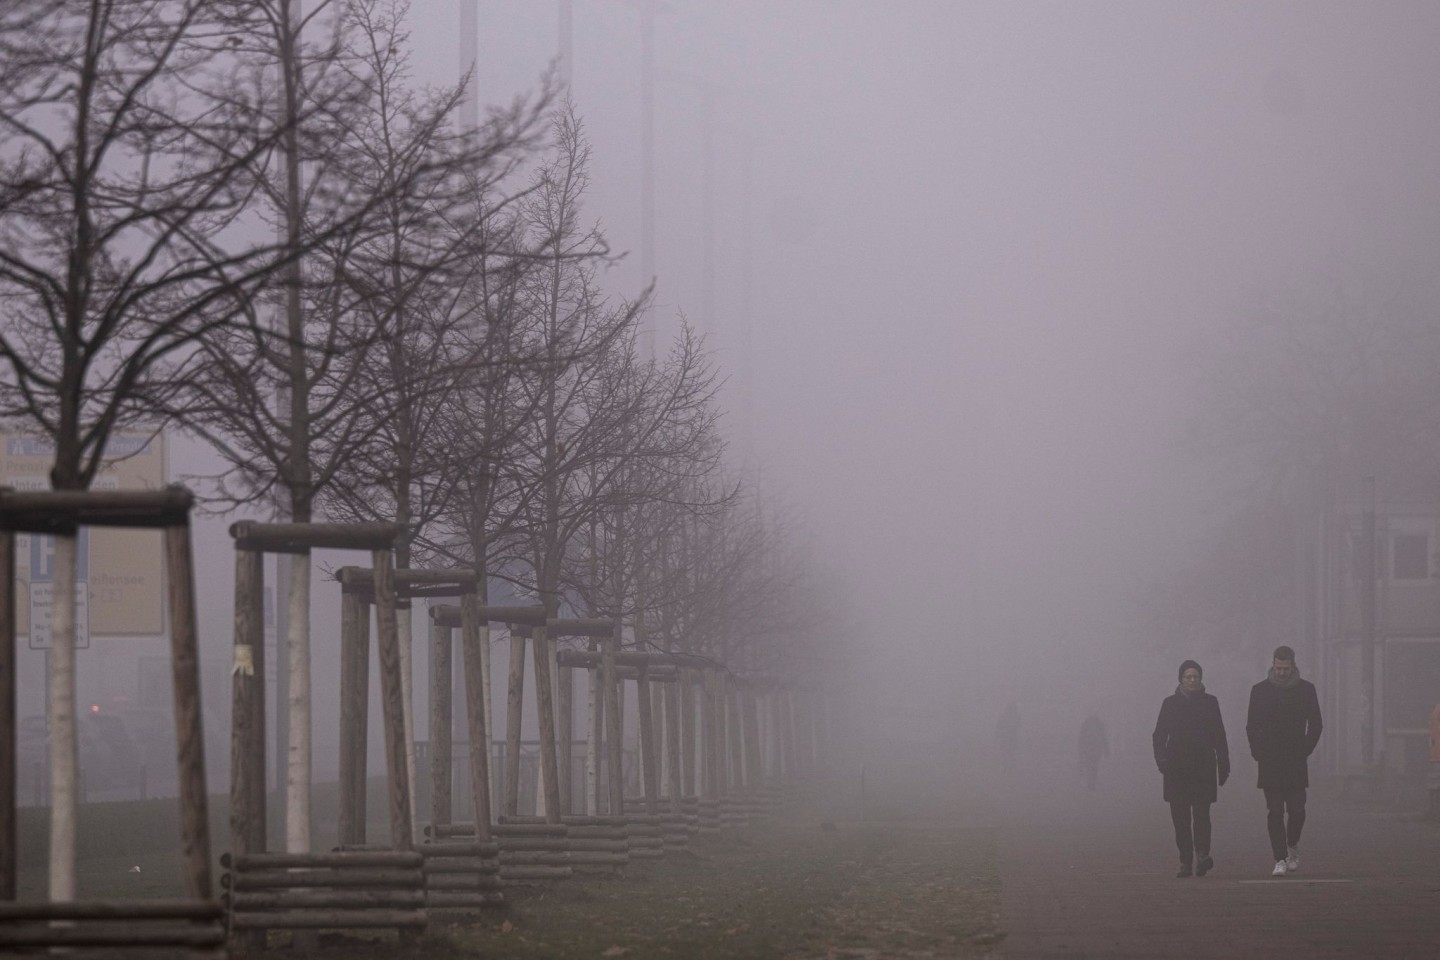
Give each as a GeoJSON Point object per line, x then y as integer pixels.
{"type": "Point", "coordinates": [784, 889]}
{"type": "Point", "coordinates": [916, 877]}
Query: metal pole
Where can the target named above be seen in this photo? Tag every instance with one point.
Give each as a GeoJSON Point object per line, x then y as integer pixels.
{"type": "Point", "coordinates": [1368, 625]}
{"type": "Point", "coordinates": [470, 63]}
{"type": "Point", "coordinates": [567, 42]}
{"type": "Point", "coordinates": [647, 162]}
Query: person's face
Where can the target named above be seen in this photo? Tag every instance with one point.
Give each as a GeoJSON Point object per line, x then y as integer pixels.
{"type": "Point", "coordinates": [1283, 668]}
{"type": "Point", "coordinates": [1191, 679]}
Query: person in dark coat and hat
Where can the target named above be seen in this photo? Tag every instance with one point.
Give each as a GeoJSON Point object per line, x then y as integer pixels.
{"type": "Point", "coordinates": [1283, 727]}
{"type": "Point", "coordinates": [1194, 757]}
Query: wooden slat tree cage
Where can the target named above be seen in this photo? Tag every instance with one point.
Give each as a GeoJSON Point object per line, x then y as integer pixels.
{"type": "Point", "coordinates": [247, 731]}
{"type": "Point", "coordinates": [192, 923]}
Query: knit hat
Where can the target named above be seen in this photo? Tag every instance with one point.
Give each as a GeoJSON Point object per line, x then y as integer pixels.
{"type": "Point", "coordinates": [1186, 666]}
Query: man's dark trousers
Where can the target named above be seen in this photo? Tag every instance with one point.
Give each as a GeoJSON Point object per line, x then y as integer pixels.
{"type": "Point", "coordinates": [1188, 841]}
{"type": "Point", "coordinates": [1284, 833]}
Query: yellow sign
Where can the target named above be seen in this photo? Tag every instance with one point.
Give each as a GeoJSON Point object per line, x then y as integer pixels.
{"type": "Point", "coordinates": [126, 569]}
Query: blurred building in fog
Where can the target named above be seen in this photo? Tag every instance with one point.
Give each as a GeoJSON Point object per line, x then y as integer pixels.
{"type": "Point", "coordinates": [1373, 584]}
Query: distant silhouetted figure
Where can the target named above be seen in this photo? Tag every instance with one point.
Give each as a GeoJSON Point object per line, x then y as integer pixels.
{"type": "Point", "coordinates": [1284, 727]}
{"type": "Point", "coordinates": [1194, 757]}
{"type": "Point", "coordinates": [1093, 747]}
{"type": "Point", "coordinates": [1007, 735]}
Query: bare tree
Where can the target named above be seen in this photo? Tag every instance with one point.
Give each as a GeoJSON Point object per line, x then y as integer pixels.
{"type": "Point", "coordinates": [127, 163]}
{"type": "Point", "coordinates": [290, 404]}
{"type": "Point", "coordinates": [409, 273]}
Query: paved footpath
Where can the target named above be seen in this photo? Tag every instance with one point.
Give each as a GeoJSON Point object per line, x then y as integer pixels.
{"type": "Point", "coordinates": [1093, 876]}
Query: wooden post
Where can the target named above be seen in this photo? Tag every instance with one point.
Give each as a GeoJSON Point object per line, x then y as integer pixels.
{"type": "Point", "coordinates": [565, 732]}
{"type": "Point", "coordinates": [514, 716]}
{"type": "Point", "coordinates": [648, 762]}
{"type": "Point", "coordinates": [716, 730]}
{"type": "Point", "coordinates": [810, 732]}
{"type": "Point", "coordinates": [754, 770]}
{"type": "Point", "coordinates": [247, 714]}
{"type": "Point", "coordinates": [595, 709]}
{"type": "Point", "coordinates": [769, 751]}
{"type": "Point", "coordinates": [662, 759]}
{"type": "Point", "coordinates": [402, 835]}
{"type": "Point", "coordinates": [189, 721]}
{"type": "Point", "coordinates": [247, 719]}
{"type": "Point", "coordinates": [485, 691]}
{"type": "Point", "coordinates": [792, 716]}
{"type": "Point", "coordinates": [354, 714]}
{"type": "Point", "coordinates": [671, 693]}
{"type": "Point", "coordinates": [440, 717]}
{"type": "Point", "coordinates": [703, 774]}
{"type": "Point", "coordinates": [777, 735]}
{"type": "Point", "coordinates": [474, 640]}
{"type": "Point", "coordinates": [545, 713]}
{"type": "Point", "coordinates": [686, 681]}
{"type": "Point", "coordinates": [787, 733]}
{"type": "Point", "coordinates": [613, 726]}
{"type": "Point", "coordinates": [9, 748]}
{"type": "Point", "coordinates": [734, 727]}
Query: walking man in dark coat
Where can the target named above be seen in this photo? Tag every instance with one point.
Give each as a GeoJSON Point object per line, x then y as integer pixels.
{"type": "Point", "coordinates": [1283, 727]}
{"type": "Point", "coordinates": [1192, 752]}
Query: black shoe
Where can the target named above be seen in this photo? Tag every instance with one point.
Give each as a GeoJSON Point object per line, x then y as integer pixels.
{"type": "Point", "coordinates": [1185, 871]}
{"type": "Point", "coordinates": [1204, 866]}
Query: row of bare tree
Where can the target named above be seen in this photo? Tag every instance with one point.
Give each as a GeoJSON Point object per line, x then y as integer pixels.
{"type": "Point", "coordinates": [242, 218]}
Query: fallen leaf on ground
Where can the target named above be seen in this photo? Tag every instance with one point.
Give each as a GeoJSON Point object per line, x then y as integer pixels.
{"type": "Point", "coordinates": [615, 951]}
{"type": "Point", "coordinates": [506, 927]}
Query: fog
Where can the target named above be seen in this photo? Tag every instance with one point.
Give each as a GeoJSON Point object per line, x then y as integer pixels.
{"type": "Point", "coordinates": [984, 242]}
{"type": "Point", "coordinates": [967, 261]}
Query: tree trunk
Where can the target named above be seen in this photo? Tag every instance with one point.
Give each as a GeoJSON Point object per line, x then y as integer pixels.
{"type": "Point", "coordinates": [514, 715]}
{"type": "Point", "coordinates": [549, 794]}
{"type": "Point", "coordinates": [298, 766]}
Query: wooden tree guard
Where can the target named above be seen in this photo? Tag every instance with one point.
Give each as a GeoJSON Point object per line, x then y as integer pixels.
{"type": "Point", "coordinates": [191, 923]}
{"type": "Point", "coordinates": [357, 586]}
{"type": "Point", "coordinates": [469, 616]}
{"type": "Point", "coordinates": [247, 726]}
{"type": "Point", "coordinates": [664, 669]}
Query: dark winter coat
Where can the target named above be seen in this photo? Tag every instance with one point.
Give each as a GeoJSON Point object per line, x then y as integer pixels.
{"type": "Point", "coordinates": [1283, 726]}
{"type": "Point", "coordinates": [1191, 748]}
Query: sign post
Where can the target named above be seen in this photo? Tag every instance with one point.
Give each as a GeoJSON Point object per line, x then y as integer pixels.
{"type": "Point", "coordinates": [42, 590]}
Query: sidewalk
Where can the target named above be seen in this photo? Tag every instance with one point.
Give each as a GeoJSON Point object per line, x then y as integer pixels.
{"type": "Point", "coordinates": [1093, 876]}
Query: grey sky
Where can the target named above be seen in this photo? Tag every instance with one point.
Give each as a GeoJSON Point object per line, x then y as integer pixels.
{"type": "Point", "coordinates": [984, 237]}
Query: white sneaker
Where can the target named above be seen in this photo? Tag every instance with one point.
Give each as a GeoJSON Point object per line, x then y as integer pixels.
{"type": "Point", "coordinates": [1292, 862]}
{"type": "Point", "coordinates": [1279, 870]}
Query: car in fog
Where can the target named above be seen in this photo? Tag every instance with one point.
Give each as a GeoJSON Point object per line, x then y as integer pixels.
{"type": "Point", "coordinates": [110, 757]}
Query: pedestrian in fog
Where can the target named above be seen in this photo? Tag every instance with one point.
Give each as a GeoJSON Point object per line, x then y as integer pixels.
{"type": "Point", "coordinates": [1194, 757]}
{"type": "Point", "coordinates": [1093, 746]}
{"type": "Point", "coordinates": [1283, 727]}
{"type": "Point", "coordinates": [1007, 735]}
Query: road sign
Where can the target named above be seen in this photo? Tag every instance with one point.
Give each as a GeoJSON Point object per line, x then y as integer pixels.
{"type": "Point", "coordinates": [42, 589]}
{"type": "Point", "coordinates": [42, 604]}
{"type": "Point", "coordinates": [124, 568]}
